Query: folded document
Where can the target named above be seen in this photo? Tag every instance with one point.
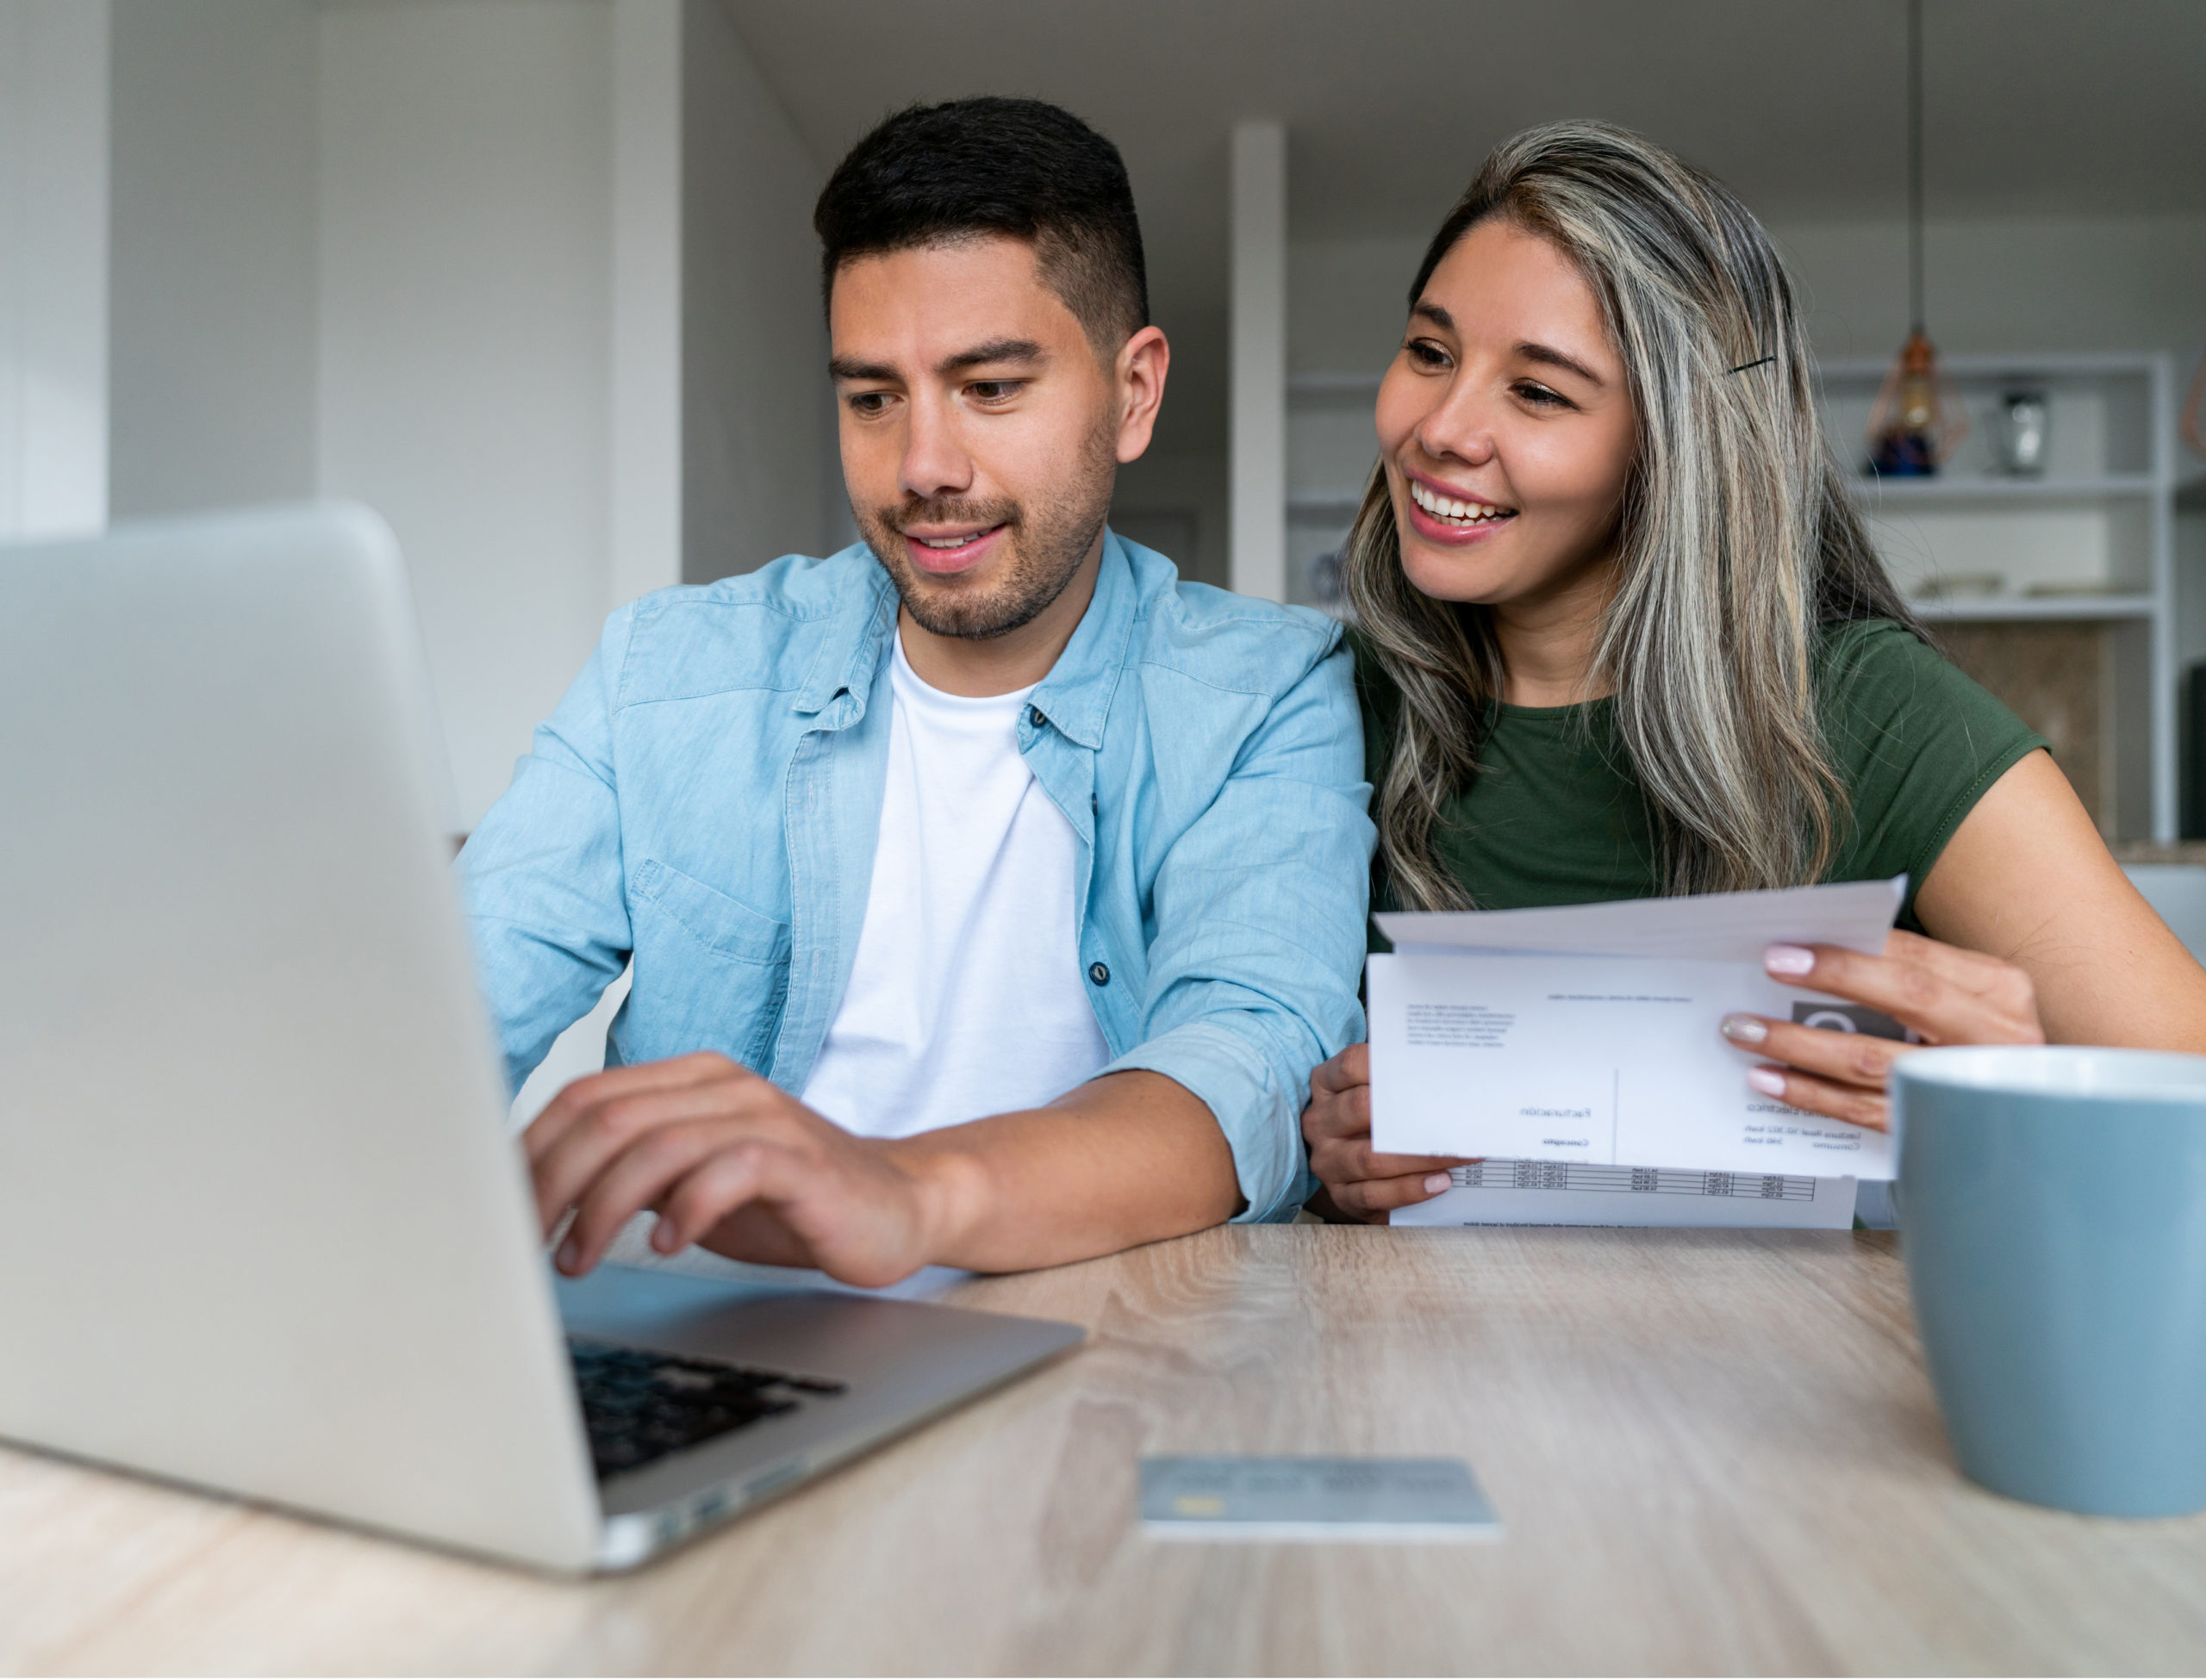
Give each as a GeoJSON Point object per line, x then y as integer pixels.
{"type": "Point", "coordinates": [1589, 1034]}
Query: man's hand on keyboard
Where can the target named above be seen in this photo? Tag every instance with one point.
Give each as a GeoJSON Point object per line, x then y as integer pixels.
{"type": "Point", "coordinates": [730, 1161]}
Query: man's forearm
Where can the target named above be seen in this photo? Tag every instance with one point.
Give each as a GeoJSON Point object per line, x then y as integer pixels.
{"type": "Point", "coordinates": [1127, 1158]}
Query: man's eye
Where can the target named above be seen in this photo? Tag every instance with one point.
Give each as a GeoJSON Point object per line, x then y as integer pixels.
{"type": "Point", "coordinates": [869, 402]}
{"type": "Point", "coordinates": [992, 390]}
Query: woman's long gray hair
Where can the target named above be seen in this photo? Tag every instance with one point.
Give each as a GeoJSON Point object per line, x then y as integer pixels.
{"type": "Point", "coordinates": [1736, 538]}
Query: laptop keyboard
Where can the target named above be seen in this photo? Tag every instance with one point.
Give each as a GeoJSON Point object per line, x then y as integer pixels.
{"type": "Point", "coordinates": [639, 1406]}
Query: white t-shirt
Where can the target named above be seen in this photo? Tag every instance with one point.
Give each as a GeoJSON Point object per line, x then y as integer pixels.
{"type": "Point", "coordinates": [966, 997]}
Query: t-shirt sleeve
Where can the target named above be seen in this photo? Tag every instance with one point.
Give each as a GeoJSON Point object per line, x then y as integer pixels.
{"type": "Point", "coordinates": [1918, 744]}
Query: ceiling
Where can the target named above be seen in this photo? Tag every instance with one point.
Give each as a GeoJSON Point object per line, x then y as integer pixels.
{"type": "Point", "coordinates": [2034, 106]}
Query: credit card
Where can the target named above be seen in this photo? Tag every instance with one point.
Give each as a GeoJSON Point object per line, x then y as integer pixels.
{"type": "Point", "coordinates": [1225, 1497]}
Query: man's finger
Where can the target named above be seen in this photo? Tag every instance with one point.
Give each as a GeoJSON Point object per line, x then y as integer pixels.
{"type": "Point", "coordinates": [854, 1237]}
{"type": "Point", "coordinates": [566, 1172]}
{"type": "Point", "coordinates": [1848, 1058]}
{"type": "Point", "coordinates": [729, 1181]}
{"type": "Point", "coordinates": [634, 1179]}
{"type": "Point", "coordinates": [578, 1097]}
{"type": "Point", "coordinates": [1848, 1102]}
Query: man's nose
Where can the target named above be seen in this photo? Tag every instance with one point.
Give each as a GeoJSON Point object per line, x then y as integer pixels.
{"type": "Point", "coordinates": [936, 463]}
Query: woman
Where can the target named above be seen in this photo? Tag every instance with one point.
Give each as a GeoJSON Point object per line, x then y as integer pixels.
{"type": "Point", "coordinates": [1621, 632]}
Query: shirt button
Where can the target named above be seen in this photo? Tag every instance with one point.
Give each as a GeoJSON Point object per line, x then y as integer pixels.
{"type": "Point", "coordinates": [1034, 713]}
{"type": "Point", "coordinates": [1099, 973]}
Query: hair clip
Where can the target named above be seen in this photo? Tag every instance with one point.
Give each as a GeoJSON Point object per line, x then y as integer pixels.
{"type": "Point", "coordinates": [1765, 361]}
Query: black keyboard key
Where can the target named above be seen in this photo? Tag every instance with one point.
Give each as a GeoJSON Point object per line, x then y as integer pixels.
{"type": "Point", "coordinates": [639, 1406]}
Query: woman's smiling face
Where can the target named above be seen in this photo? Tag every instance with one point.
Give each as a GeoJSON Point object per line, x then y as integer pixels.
{"type": "Point", "coordinates": [1506, 425]}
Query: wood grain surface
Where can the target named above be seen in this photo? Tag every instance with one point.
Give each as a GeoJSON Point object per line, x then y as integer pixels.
{"type": "Point", "coordinates": [1712, 1452]}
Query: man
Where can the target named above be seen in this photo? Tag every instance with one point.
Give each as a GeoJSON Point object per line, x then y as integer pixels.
{"type": "Point", "coordinates": [990, 893]}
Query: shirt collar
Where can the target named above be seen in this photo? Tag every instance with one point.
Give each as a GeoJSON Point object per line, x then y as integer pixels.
{"type": "Point", "coordinates": [851, 653]}
{"type": "Point", "coordinates": [1075, 696]}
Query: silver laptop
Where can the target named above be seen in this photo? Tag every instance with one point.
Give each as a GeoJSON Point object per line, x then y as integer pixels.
{"type": "Point", "coordinates": [262, 1225]}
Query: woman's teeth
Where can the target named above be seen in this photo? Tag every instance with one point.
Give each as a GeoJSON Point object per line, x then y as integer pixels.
{"type": "Point", "coordinates": [1453, 512]}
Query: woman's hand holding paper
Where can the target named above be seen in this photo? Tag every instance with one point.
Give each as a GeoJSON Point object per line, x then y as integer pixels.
{"type": "Point", "coordinates": [1943, 994]}
{"type": "Point", "coordinates": [1359, 1183]}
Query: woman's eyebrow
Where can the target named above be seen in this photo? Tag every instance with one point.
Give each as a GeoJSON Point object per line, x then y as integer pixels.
{"type": "Point", "coordinates": [1555, 359]}
{"type": "Point", "coordinates": [1433, 313]}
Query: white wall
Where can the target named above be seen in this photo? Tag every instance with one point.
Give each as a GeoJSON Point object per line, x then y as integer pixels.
{"type": "Point", "coordinates": [211, 390]}
{"type": "Point", "coordinates": [646, 371]}
{"type": "Point", "coordinates": [2128, 283]}
{"type": "Point", "coordinates": [53, 266]}
{"type": "Point", "coordinates": [466, 336]}
{"type": "Point", "coordinates": [1257, 427]}
{"type": "Point", "coordinates": [759, 478]}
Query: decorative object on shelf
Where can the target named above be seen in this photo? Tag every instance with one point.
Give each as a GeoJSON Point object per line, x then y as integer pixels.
{"type": "Point", "coordinates": [2022, 441]}
{"type": "Point", "coordinates": [2068, 588]}
{"type": "Point", "coordinates": [2194, 411]}
{"type": "Point", "coordinates": [1961, 586]}
{"type": "Point", "coordinates": [1918, 419]}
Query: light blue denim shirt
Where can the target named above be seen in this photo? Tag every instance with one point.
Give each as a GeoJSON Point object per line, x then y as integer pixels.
{"type": "Point", "coordinates": [707, 796]}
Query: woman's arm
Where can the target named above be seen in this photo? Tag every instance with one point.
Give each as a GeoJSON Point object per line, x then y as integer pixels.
{"type": "Point", "coordinates": [2036, 934]}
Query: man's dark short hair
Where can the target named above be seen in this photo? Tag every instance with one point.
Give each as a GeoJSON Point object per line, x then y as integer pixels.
{"type": "Point", "coordinates": [1014, 167]}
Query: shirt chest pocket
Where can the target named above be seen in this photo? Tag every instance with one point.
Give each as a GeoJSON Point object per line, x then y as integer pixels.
{"type": "Point", "coordinates": [710, 973]}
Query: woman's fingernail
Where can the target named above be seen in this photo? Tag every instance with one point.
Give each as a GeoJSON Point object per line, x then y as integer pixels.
{"type": "Point", "coordinates": [571, 1253]}
{"type": "Point", "coordinates": [1744, 1029]}
{"type": "Point", "coordinates": [664, 1238]}
{"type": "Point", "coordinates": [1789, 960]}
{"type": "Point", "coordinates": [1436, 1182]}
{"type": "Point", "coordinates": [1767, 1080]}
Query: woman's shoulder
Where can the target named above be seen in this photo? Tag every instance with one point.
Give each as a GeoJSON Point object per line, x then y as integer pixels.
{"type": "Point", "coordinates": [1874, 676]}
{"type": "Point", "coordinates": [1916, 741]}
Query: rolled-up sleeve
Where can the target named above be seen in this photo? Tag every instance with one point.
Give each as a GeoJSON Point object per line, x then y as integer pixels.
{"type": "Point", "coordinates": [543, 875]}
{"type": "Point", "coordinates": [1259, 916]}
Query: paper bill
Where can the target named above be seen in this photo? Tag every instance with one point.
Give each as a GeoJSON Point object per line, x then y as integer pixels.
{"type": "Point", "coordinates": [1547, 1192]}
{"type": "Point", "coordinates": [1526, 1035]}
{"type": "Point", "coordinates": [1708, 927]}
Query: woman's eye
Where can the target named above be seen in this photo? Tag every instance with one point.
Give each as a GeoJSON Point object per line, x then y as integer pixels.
{"type": "Point", "coordinates": [1426, 354]}
{"type": "Point", "coordinates": [1540, 396]}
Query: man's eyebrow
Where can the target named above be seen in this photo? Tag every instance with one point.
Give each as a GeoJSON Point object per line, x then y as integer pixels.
{"type": "Point", "coordinates": [996, 349]}
{"type": "Point", "coordinates": [1555, 359]}
{"type": "Point", "coordinates": [849, 367]}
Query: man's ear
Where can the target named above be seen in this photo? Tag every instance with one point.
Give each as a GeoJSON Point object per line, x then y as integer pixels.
{"type": "Point", "coordinates": [1143, 362]}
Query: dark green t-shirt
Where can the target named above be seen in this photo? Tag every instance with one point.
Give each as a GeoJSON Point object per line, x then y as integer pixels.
{"type": "Point", "coordinates": [1556, 817]}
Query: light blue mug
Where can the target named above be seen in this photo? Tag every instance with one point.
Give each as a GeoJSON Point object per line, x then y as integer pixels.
{"type": "Point", "coordinates": [2053, 1215]}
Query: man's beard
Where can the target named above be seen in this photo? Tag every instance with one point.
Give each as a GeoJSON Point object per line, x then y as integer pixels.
{"type": "Point", "coordinates": [1043, 546]}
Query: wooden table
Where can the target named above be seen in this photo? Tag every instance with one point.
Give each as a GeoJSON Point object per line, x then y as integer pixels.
{"type": "Point", "coordinates": [1713, 1451]}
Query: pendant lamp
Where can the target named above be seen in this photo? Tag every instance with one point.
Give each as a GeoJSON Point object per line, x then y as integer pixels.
{"type": "Point", "coordinates": [1918, 419]}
